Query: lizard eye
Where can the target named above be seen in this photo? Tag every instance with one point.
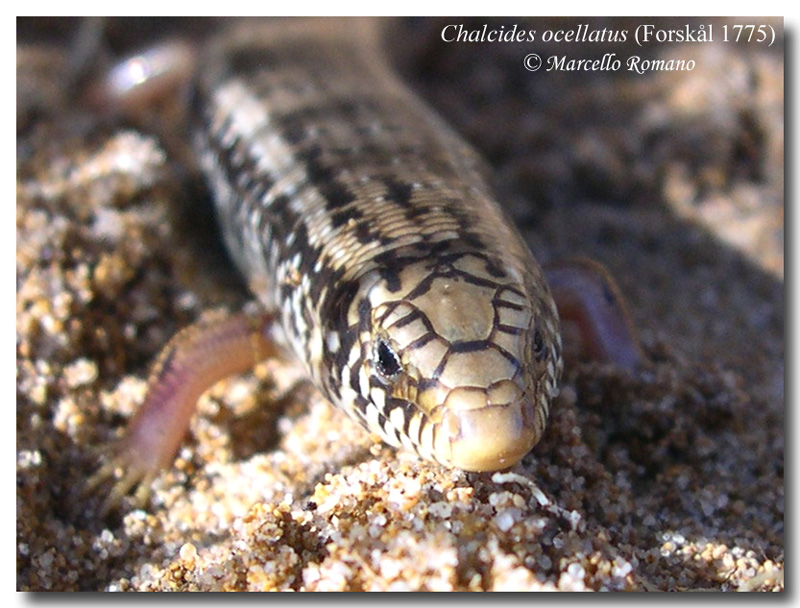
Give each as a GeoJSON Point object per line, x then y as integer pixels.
{"type": "Point", "coordinates": [539, 349]}
{"type": "Point", "coordinates": [386, 360]}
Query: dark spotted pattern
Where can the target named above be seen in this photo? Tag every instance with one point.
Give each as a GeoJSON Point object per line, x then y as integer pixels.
{"type": "Point", "coordinates": [340, 196]}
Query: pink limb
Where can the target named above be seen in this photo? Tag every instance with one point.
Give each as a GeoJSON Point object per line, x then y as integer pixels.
{"type": "Point", "coordinates": [193, 361]}
{"type": "Point", "coordinates": [591, 305]}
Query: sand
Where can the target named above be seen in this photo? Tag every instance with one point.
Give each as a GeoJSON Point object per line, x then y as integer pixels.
{"type": "Point", "coordinates": [666, 478]}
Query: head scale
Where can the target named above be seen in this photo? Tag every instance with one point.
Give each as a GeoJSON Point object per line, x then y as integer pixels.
{"type": "Point", "coordinates": [455, 360]}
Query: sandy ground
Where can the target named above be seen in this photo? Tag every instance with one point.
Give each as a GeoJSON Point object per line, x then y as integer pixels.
{"type": "Point", "coordinates": [668, 478]}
